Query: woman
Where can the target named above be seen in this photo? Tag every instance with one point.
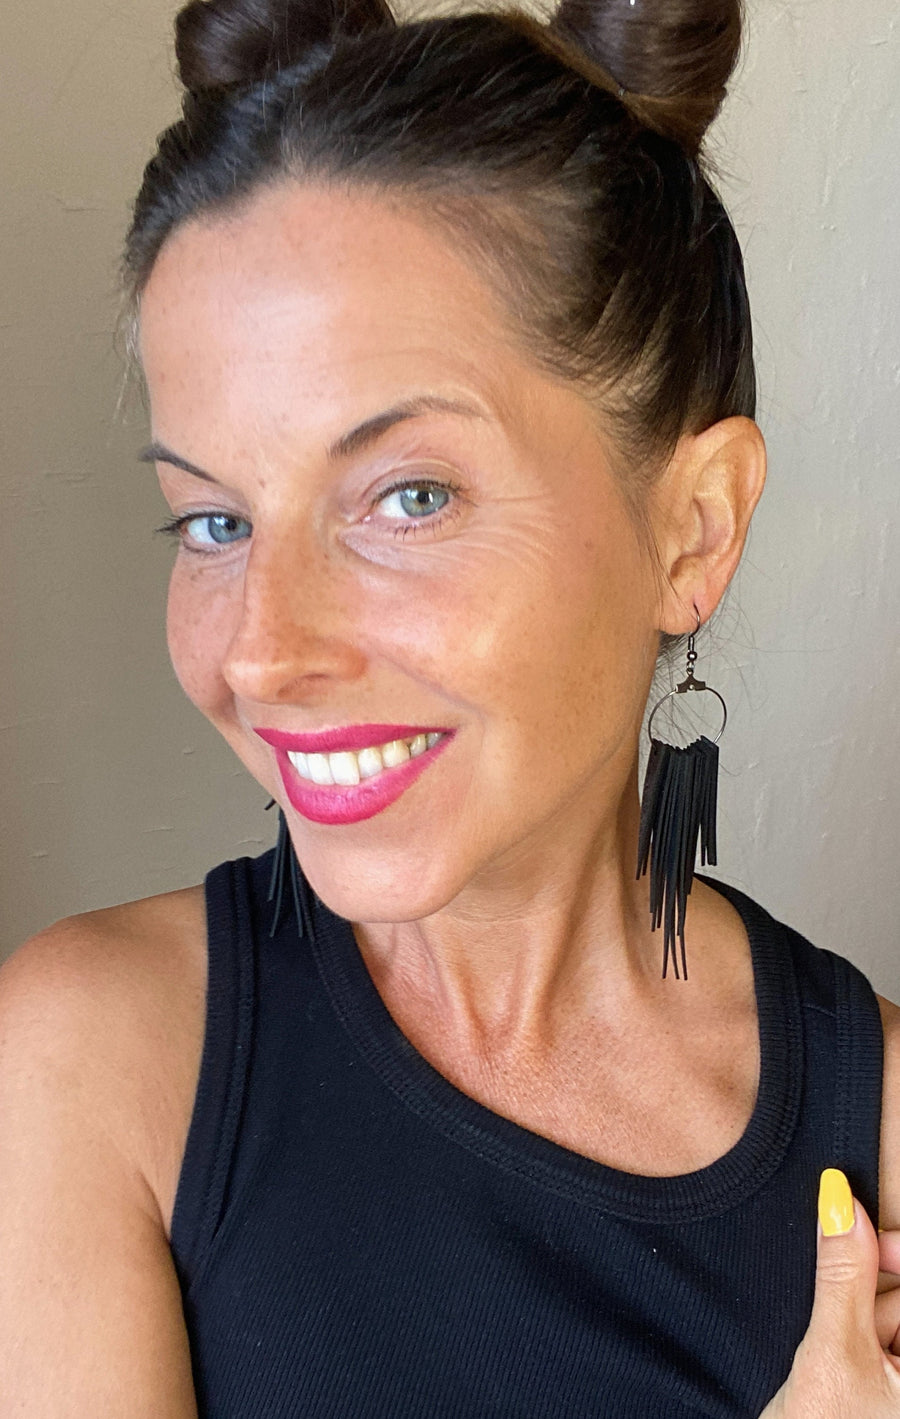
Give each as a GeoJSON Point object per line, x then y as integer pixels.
{"type": "Point", "coordinates": [449, 360]}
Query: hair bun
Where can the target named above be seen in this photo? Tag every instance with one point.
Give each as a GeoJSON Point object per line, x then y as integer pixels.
{"type": "Point", "coordinates": [673, 58]}
{"type": "Point", "coordinates": [221, 42]}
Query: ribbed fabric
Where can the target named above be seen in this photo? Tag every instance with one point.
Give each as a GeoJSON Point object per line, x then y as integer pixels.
{"type": "Point", "coordinates": [355, 1238]}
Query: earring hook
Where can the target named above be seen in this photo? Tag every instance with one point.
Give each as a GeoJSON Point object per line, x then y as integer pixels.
{"type": "Point", "coordinates": [690, 682]}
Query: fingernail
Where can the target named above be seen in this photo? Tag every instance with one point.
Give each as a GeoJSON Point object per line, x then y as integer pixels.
{"type": "Point", "coordinates": [835, 1203]}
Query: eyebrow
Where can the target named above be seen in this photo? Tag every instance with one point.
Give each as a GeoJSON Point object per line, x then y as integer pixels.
{"type": "Point", "coordinates": [352, 442]}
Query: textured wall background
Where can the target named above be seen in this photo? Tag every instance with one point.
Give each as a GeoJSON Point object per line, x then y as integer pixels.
{"type": "Point", "coordinates": [114, 787]}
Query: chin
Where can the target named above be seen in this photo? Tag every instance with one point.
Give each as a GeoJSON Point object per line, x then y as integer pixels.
{"type": "Point", "coordinates": [373, 892]}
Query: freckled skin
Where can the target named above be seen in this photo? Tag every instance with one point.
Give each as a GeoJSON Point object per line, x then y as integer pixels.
{"type": "Point", "coordinates": [528, 624]}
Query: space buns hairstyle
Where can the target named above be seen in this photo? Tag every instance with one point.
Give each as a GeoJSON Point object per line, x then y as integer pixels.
{"type": "Point", "coordinates": [672, 59]}
{"type": "Point", "coordinates": [218, 43]}
{"type": "Point", "coordinates": [565, 158]}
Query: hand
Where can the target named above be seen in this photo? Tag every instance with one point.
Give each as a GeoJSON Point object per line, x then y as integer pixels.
{"type": "Point", "coordinates": [840, 1370]}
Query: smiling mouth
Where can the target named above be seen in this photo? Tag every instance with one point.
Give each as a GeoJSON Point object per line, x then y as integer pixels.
{"type": "Point", "coordinates": [347, 767]}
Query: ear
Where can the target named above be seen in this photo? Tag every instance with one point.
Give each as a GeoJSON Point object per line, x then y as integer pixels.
{"type": "Point", "coordinates": [700, 511]}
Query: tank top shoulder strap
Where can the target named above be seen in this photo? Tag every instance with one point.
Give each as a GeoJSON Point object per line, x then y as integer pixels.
{"type": "Point", "coordinates": [202, 1189]}
{"type": "Point", "coordinates": [843, 1044]}
{"type": "Point", "coordinates": [860, 1068]}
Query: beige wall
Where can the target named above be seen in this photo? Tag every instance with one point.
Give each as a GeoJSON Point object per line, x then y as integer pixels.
{"type": "Point", "coordinates": [113, 787]}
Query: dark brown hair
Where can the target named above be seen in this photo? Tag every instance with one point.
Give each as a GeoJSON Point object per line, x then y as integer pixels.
{"type": "Point", "coordinates": [566, 155]}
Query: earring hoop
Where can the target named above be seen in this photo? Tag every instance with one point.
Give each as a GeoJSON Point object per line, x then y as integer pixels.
{"type": "Point", "coordinates": [690, 683]}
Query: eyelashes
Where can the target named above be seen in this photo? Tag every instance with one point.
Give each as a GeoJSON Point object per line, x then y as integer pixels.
{"type": "Point", "coordinates": [226, 523]}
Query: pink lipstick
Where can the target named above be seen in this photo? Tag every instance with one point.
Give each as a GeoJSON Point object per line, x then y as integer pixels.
{"type": "Point", "coordinates": [351, 736]}
{"type": "Point", "coordinates": [351, 803]}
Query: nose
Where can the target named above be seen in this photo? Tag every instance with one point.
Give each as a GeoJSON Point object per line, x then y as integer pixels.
{"type": "Point", "coordinates": [296, 630]}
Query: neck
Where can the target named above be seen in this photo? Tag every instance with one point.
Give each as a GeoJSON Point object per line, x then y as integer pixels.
{"type": "Point", "coordinates": [552, 937]}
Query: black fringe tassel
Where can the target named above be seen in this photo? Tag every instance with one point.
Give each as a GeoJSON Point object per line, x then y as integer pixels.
{"type": "Point", "coordinates": [678, 808]}
{"type": "Point", "coordinates": [285, 864]}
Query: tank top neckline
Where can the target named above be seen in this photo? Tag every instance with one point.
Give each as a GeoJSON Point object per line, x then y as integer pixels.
{"type": "Point", "coordinates": [709, 1191]}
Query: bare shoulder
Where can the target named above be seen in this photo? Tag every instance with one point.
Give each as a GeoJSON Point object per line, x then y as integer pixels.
{"type": "Point", "coordinates": [116, 999]}
{"type": "Point", "coordinates": [95, 1084]}
{"type": "Point", "coordinates": [889, 1183]}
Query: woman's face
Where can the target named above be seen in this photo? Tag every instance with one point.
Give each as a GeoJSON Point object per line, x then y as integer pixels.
{"type": "Point", "coordinates": [500, 593]}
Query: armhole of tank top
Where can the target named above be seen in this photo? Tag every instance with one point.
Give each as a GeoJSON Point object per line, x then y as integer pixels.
{"type": "Point", "coordinates": [859, 1082]}
{"type": "Point", "coordinates": [201, 1193]}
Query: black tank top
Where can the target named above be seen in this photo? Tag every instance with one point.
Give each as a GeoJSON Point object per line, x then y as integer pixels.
{"type": "Point", "coordinates": [357, 1239]}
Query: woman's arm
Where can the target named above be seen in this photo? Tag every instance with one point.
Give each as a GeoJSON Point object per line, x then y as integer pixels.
{"type": "Point", "coordinates": [91, 1321]}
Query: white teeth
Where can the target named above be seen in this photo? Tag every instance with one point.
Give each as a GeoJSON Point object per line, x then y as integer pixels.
{"type": "Point", "coordinates": [347, 767]}
{"type": "Point", "coordinates": [370, 762]}
{"type": "Point", "coordinates": [319, 768]}
{"type": "Point", "coordinates": [344, 768]}
{"type": "Point", "coordinates": [397, 752]}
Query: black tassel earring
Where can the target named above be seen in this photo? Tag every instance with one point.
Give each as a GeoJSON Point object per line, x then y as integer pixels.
{"type": "Point", "coordinates": [678, 808]}
{"type": "Point", "coordinates": [285, 864]}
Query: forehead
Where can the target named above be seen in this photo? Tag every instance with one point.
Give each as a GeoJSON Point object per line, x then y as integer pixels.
{"type": "Point", "coordinates": [307, 292]}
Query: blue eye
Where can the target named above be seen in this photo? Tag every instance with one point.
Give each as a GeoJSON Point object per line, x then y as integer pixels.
{"type": "Point", "coordinates": [222, 527]}
{"type": "Point", "coordinates": [207, 529]}
{"type": "Point", "coordinates": [418, 500]}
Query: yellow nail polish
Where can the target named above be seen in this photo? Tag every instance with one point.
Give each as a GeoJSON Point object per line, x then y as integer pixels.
{"type": "Point", "coordinates": [835, 1203]}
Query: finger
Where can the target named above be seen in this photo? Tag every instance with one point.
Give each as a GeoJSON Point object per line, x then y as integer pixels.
{"type": "Point", "coordinates": [843, 1316]}
{"type": "Point", "coordinates": [887, 1320]}
{"type": "Point", "coordinates": [889, 1251]}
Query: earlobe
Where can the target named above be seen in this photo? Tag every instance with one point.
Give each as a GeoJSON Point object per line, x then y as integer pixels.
{"type": "Point", "coordinates": [707, 496]}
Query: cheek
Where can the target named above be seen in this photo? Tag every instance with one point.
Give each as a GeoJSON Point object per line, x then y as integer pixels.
{"type": "Point", "coordinates": [571, 643]}
{"type": "Point", "coordinates": [541, 630]}
{"type": "Point", "coordinates": [199, 627]}
{"type": "Point", "coordinates": [572, 679]}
